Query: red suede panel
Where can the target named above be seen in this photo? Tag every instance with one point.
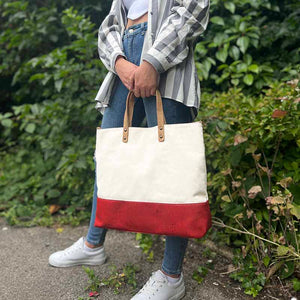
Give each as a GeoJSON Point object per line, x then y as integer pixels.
{"type": "Point", "coordinates": [185, 220]}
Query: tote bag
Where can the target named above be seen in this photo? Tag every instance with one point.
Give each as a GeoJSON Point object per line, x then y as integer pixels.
{"type": "Point", "coordinates": [152, 179]}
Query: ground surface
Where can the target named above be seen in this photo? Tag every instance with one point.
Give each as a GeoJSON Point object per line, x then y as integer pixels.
{"type": "Point", "coordinates": [25, 273]}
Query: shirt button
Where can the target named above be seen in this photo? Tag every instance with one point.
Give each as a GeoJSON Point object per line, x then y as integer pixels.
{"type": "Point", "coordinates": [130, 30]}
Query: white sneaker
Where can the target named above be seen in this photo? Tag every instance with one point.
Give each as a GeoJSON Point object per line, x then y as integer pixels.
{"type": "Point", "coordinates": [159, 288]}
{"type": "Point", "coordinates": [76, 255]}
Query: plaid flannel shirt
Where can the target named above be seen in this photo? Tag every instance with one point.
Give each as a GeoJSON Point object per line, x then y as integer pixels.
{"type": "Point", "coordinates": [174, 27]}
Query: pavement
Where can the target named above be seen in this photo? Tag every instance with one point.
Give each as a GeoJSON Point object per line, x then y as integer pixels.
{"type": "Point", "coordinates": [26, 275]}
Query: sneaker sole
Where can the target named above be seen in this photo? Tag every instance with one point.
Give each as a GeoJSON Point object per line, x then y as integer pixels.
{"type": "Point", "coordinates": [78, 263]}
{"type": "Point", "coordinates": [180, 295]}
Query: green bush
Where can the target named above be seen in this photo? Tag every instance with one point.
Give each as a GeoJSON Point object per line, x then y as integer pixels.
{"type": "Point", "coordinates": [252, 150]}
{"type": "Point", "coordinates": [240, 42]}
{"type": "Point", "coordinates": [47, 152]}
{"type": "Point", "coordinates": [30, 29]}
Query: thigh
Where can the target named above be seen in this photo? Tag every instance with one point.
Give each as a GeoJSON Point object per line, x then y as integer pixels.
{"type": "Point", "coordinates": [114, 114]}
{"type": "Point", "coordinates": [174, 111]}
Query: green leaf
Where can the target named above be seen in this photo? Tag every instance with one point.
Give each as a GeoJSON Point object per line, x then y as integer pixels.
{"type": "Point", "coordinates": [217, 20]}
{"type": "Point", "coordinates": [253, 68]}
{"type": "Point", "coordinates": [259, 84]}
{"type": "Point", "coordinates": [230, 6]}
{"type": "Point", "coordinates": [7, 115]}
{"type": "Point", "coordinates": [222, 125]}
{"type": "Point", "coordinates": [243, 26]}
{"type": "Point", "coordinates": [233, 209]}
{"type": "Point", "coordinates": [265, 214]}
{"type": "Point", "coordinates": [241, 68]}
{"type": "Point", "coordinates": [35, 109]}
{"type": "Point", "coordinates": [254, 42]}
{"type": "Point", "coordinates": [30, 127]}
{"type": "Point", "coordinates": [296, 284]}
{"type": "Point", "coordinates": [211, 60]}
{"type": "Point", "coordinates": [234, 52]}
{"type": "Point", "coordinates": [247, 59]}
{"type": "Point", "coordinates": [58, 84]}
{"type": "Point", "coordinates": [266, 260]}
{"type": "Point", "coordinates": [36, 77]}
{"type": "Point", "coordinates": [235, 157]}
{"type": "Point", "coordinates": [287, 270]}
{"type": "Point", "coordinates": [219, 39]}
{"type": "Point", "coordinates": [200, 274]}
{"type": "Point", "coordinates": [222, 55]}
{"type": "Point", "coordinates": [243, 43]}
{"type": "Point", "coordinates": [226, 198]}
{"type": "Point", "coordinates": [282, 250]}
{"type": "Point", "coordinates": [53, 193]}
{"type": "Point", "coordinates": [46, 79]}
{"type": "Point", "coordinates": [295, 210]}
{"type": "Point", "coordinates": [295, 189]}
{"type": "Point", "coordinates": [235, 82]}
{"type": "Point", "coordinates": [267, 68]}
{"type": "Point", "coordinates": [248, 79]}
{"type": "Point", "coordinates": [138, 236]}
{"type": "Point", "coordinates": [7, 123]}
{"type": "Point", "coordinates": [222, 66]}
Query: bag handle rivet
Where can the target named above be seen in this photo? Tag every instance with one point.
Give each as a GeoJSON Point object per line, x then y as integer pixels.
{"type": "Point", "coordinates": [125, 129]}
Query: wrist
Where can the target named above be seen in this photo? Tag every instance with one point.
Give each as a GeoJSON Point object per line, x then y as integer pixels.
{"type": "Point", "coordinates": [119, 59]}
{"type": "Point", "coordinates": [149, 65]}
{"type": "Point", "coordinates": [154, 62]}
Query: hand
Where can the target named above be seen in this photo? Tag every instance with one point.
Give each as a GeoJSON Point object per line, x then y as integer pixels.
{"type": "Point", "coordinates": [125, 70]}
{"type": "Point", "coordinates": [145, 80]}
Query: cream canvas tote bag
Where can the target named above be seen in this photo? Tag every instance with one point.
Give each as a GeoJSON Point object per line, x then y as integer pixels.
{"type": "Point", "coordinates": [152, 180]}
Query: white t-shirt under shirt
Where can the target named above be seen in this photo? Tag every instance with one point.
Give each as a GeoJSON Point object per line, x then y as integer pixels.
{"type": "Point", "coordinates": [135, 8]}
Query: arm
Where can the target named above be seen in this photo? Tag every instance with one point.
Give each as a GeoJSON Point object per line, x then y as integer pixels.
{"type": "Point", "coordinates": [188, 19]}
{"type": "Point", "coordinates": [109, 39]}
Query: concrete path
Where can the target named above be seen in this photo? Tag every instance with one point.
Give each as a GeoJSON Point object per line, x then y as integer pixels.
{"type": "Point", "coordinates": [26, 275]}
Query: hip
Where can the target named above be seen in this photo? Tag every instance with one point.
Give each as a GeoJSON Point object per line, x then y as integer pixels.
{"type": "Point", "coordinates": [141, 19]}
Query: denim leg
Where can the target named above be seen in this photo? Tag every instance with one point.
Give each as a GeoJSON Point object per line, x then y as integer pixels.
{"type": "Point", "coordinates": [95, 235]}
{"type": "Point", "coordinates": [113, 117]}
{"type": "Point", "coordinates": [174, 254]}
{"type": "Point", "coordinates": [175, 112]}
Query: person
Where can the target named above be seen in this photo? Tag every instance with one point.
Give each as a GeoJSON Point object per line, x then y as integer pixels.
{"type": "Point", "coordinates": [145, 45]}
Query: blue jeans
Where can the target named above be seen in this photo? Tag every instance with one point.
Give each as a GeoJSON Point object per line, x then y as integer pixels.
{"type": "Point", "coordinates": [175, 112]}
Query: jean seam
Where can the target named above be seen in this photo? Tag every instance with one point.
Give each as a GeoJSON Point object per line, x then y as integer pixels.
{"type": "Point", "coordinates": [94, 242]}
{"type": "Point", "coordinates": [177, 272]}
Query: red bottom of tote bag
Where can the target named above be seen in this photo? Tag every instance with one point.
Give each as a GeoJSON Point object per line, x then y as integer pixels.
{"type": "Point", "coordinates": [186, 220]}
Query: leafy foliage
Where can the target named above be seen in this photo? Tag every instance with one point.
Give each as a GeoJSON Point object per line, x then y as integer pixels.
{"type": "Point", "coordinates": [238, 48]}
{"type": "Point", "coordinates": [252, 281]}
{"type": "Point", "coordinates": [30, 29]}
{"type": "Point", "coordinates": [47, 147]}
{"type": "Point", "coordinates": [200, 274]}
{"type": "Point", "coordinates": [116, 279]}
{"type": "Point", "coordinates": [146, 244]}
{"type": "Point", "coordinates": [252, 149]}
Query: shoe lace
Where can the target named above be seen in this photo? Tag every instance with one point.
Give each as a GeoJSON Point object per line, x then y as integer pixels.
{"type": "Point", "coordinates": [152, 285]}
{"type": "Point", "coordinates": [77, 245]}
